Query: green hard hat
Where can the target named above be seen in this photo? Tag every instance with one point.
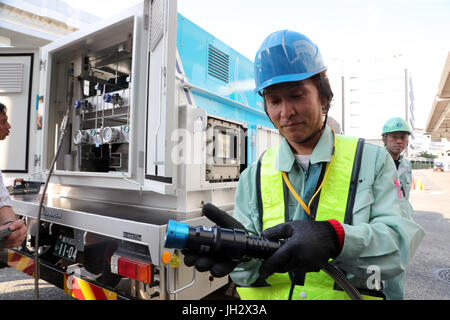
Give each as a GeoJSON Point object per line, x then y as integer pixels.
{"type": "Point", "coordinates": [395, 125]}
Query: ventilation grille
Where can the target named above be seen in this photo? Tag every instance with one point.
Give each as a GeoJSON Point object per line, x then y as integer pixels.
{"type": "Point", "coordinates": [156, 23]}
{"type": "Point", "coordinates": [11, 77]}
{"type": "Point", "coordinates": [218, 64]}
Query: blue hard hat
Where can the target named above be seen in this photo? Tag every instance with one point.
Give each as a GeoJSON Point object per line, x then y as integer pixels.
{"type": "Point", "coordinates": [286, 56]}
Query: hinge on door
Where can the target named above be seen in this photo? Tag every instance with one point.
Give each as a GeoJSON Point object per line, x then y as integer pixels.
{"type": "Point", "coordinates": [146, 15]}
{"type": "Point", "coordinates": [37, 160]}
{"type": "Point", "coordinates": [146, 22]}
{"type": "Point", "coordinates": [42, 65]}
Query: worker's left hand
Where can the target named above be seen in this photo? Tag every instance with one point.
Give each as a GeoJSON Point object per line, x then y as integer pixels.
{"type": "Point", "coordinates": [218, 266]}
{"type": "Point", "coordinates": [308, 245]}
{"type": "Point", "coordinates": [18, 235]}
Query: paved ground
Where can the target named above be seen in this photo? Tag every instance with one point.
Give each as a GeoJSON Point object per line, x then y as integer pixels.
{"type": "Point", "coordinates": [16, 285]}
{"type": "Point", "coordinates": [432, 212]}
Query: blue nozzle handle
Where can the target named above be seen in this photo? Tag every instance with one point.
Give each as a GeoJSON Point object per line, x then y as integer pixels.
{"type": "Point", "coordinates": [176, 235]}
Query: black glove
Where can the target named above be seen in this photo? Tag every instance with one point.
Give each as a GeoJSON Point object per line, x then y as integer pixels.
{"type": "Point", "coordinates": [308, 245]}
{"type": "Point", "coordinates": [218, 265]}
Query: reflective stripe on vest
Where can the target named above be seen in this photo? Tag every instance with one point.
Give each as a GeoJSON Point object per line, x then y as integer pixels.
{"type": "Point", "coordinates": [336, 199]}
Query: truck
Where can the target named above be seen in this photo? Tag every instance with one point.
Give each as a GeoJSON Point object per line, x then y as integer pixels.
{"type": "Point", "coordinates": [146, 117]}
{"type": "Point", "coordinates": [442, 162]}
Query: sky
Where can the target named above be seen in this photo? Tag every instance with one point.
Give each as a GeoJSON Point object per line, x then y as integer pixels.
{"type": "Point", "coordinates": [342, 29]}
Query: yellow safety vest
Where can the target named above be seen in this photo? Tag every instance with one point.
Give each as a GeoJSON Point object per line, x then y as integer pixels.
{"type": "Point", "coordinates": [335, 202]}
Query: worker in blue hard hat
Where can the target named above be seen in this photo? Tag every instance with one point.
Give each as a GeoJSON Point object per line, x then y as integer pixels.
{"type": "Point", "coordinates": [328, 196]}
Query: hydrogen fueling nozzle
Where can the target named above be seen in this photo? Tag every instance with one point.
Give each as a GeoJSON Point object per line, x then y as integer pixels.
{"type": "Point", "coordinates": [227, 240]}
{"type": "Point", "coordinates": [236, 244]}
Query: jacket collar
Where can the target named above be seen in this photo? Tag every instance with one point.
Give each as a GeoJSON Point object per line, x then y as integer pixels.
{"type": "Point", "coordinates": [321, 153]}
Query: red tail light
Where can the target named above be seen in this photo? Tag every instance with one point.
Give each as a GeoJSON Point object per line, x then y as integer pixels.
{"type": "Point", "coordinates": [132, 268]}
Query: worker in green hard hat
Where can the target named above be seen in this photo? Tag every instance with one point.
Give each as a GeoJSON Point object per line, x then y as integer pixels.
{"type": "Point", "coordinates": [395, 135]}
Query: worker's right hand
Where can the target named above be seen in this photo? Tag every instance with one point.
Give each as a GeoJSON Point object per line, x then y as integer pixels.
{"type": "Point", "coordinates": [217, 266]}
{"type": "Point", "coordinates": [18, 235]}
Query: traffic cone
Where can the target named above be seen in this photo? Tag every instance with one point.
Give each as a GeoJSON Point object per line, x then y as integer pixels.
{"type": "Point", "coordinates": [420, 185]}
{"type": "Point", "coordinates": [413, 186]}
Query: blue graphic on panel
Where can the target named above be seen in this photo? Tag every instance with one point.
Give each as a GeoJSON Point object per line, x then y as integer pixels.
{"type": "Point", "coordinates": [221, 71]}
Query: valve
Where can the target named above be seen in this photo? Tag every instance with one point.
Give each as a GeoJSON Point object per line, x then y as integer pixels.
{"type": "Point", "coordinates": [107, 97]}
{"type": "Point", "coordinates": [87, 105]}
{"type": "Point", "coordinates": [77, 104]}
{"type": "Point", "coordinates": [114, 98]}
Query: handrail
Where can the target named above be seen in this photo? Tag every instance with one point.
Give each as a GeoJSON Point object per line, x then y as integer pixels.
{"type": "Point", "coordinates": [179, 289]}
{"type": "Point", "coordinates": [216, 96]}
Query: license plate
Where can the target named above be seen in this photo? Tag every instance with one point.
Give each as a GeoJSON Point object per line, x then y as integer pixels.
{"type": "Point", "coordinates": [65, 248]}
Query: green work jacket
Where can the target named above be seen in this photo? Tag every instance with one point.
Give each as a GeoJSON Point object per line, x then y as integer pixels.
{"type": "Point", "coordinates": [395, 288]}
{"type": "Point", "coordinates": [405, 175]}
{"type": "Point", "coordinates": [380, 240]}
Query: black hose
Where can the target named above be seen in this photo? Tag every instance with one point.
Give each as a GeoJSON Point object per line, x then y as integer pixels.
{"type": "Point", "coordinates": [64, 126]}
{"type": "Point", "coordinates": [41, 204]}
{"type": "Point", "coordinates": [342, 281]}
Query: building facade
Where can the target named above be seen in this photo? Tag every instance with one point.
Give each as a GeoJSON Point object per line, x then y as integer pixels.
{"type": "Point", "coordinates": [35, 23]}
{"type": "Point", "coordinates": [370, 91]}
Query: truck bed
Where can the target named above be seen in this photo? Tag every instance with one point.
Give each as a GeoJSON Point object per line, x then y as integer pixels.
{"type": "Point", "coordinates": [125, 222]}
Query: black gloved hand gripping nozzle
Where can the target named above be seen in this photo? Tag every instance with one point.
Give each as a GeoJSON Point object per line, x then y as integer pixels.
{"type": "Point", "coordinates": [236, 244]}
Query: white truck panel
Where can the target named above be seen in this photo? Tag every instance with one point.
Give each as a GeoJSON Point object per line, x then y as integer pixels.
{"type": "Point", "coordinates": [18, 89]}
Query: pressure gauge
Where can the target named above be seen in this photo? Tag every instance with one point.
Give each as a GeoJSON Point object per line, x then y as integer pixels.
{"type": "Point", "coordinates": [110, 134]}
{"type": "Point", "coordinates": [80, 137]}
